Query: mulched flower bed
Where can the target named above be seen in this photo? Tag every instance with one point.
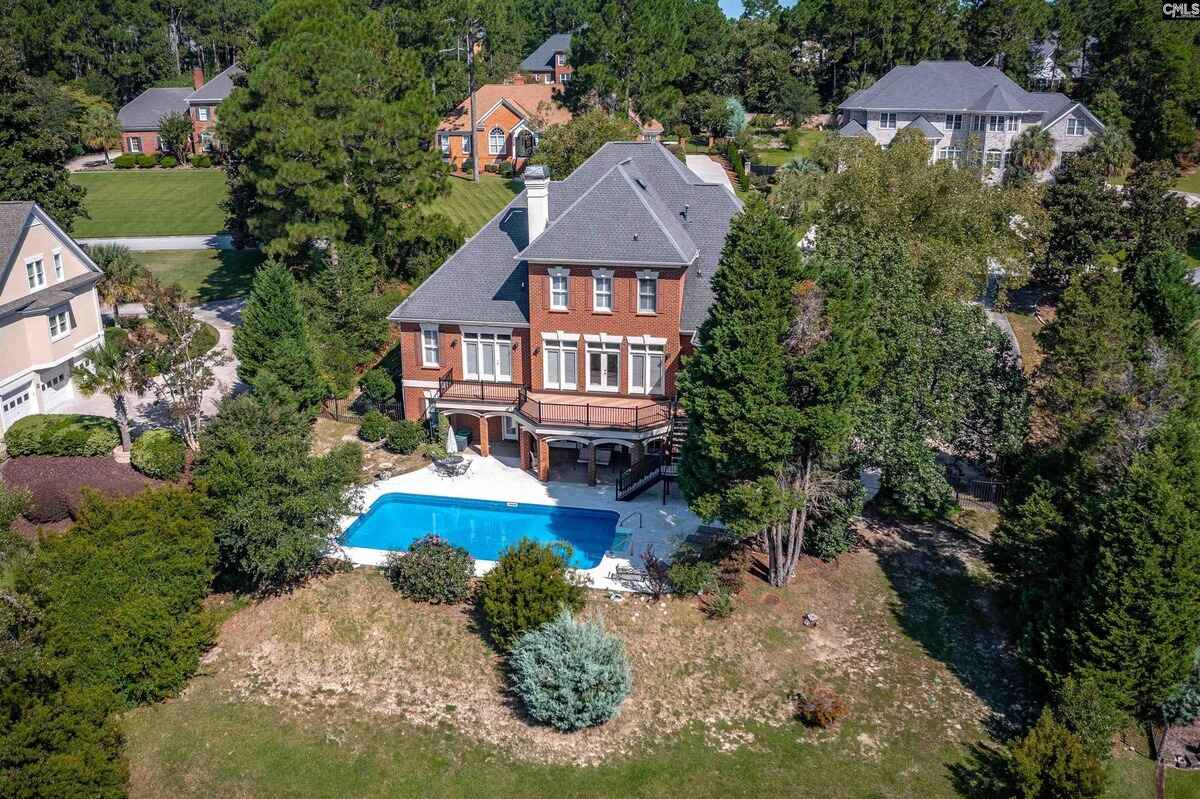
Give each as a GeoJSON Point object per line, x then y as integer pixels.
{"type": "Point", "coordinates": [57, 484]}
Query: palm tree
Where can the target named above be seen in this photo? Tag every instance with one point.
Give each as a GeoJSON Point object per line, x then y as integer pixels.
{"type": "Point", "coordinates": [123, 275]}
{"type": "Point", "coordinates": [99, 129]}
{"type": "Point", "coordinates": [111, 369]}
{"type": "Point", "coordinates": [1033, 150]}
{"type": "Point", "coordinates": [1113, 149]}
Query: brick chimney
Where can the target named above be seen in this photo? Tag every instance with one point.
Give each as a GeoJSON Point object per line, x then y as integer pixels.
{"type": "Point", "coordinates": [197, 77]}
{"type": "Point", "coordinates": [537, 198]}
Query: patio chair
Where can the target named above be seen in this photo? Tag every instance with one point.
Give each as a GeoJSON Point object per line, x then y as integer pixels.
{"type": "Point", "coordinates": [461, 469]}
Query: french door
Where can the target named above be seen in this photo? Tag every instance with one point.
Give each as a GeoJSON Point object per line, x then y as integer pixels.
{"type": "Point", "coordinates": [487, 357]}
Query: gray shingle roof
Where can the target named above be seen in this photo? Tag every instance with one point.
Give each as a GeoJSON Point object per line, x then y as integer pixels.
{"type": "Point", "coordinates": [485, 282]}
{"type": "Point", "coordinates": [144, 111]}
{"type": "Point", "coordinates": [542, 58]}
{"type": "Point", "coordinates": [926, 127]}
{"type": "Point", "coordinates": [954, 86]}
{"type": "Point", "coordinates": [218, 88]}
{"type": "Point", "coordinates": [853, 130]}
{"type": "Point", "coordinates": [13, 218]}
{"type": "Point", "coordinates": [617, 221]}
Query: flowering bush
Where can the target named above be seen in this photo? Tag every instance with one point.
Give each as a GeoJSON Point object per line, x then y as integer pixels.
{"type": "Point", "coordinates": [433, 570]}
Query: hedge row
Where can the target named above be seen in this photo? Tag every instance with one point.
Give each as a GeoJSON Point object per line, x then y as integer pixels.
{"type": "Point", "coordinates": [62, 434]}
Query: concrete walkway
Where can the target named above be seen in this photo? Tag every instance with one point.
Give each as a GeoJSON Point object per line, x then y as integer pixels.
{"type": "Point", "coordinates": [708, 170]}
{"type": "Point", "coordinates": [212, 241]}
{"type": "Point", "coordinates": [91, 161]}
{"type": "Point", "coordinates": [145, 411]}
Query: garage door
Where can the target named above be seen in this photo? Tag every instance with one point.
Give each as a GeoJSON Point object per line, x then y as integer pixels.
{"type": "Point", "coordinates": [57, 387]}
{"type": "Point", "coordinates": [17, 404]}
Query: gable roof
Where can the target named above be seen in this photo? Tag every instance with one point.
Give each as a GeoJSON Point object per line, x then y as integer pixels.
{"type": "Point", "coordinates": [955, 86]}
{"type": "Point", "coordinates": [144, 111]}
{"type": "Point", "coordinates": [525, 100]}
{"type": "Point", "coordinates": [619, 222]}
{"type": "Point", "coordinates": [15, 218]}
{"type": "Point", "coordinates": [487, 280]}
{"type": "Point", "coordinates": [218, 88]}
{"type": "Point", "coordinates": [926, 127]}
{"type": "Point", "coordinates": [853, 130]}
{"type": "Point", "coordinates": [542, 59]}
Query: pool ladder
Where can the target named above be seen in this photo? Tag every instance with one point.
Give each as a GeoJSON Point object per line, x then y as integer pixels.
{"type": "Point", "coordinates": [636, 513]}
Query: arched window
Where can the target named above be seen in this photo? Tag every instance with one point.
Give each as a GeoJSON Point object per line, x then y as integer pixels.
{"type": "Point", "coordinates": [496, 141]}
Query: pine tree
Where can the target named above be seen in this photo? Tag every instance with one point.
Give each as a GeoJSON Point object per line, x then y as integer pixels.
{"type": "Point", "coordinates": [275, 355]}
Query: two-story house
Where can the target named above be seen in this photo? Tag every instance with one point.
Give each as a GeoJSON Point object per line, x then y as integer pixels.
{"type": "Point", "coordinates": [49, 311]}
{"type": "Point", "coordinates": [951, 101]}
{"type": "Point", "coordinates": [139, 118]}
{"type": "Point", "coordinates": [550, 62]}
{"type": "Point", "coordinates": [509, 119]}
{"type": "Point", "coordinates": [561, 325]}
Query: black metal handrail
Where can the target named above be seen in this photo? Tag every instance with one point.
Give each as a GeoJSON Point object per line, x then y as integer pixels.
{"type": "Point", "coordinates": [645, 417]}
{"type": "Point", "coordinates": [637, 476]}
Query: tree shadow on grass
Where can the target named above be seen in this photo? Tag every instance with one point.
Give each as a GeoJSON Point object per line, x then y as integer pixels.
{"type": "Point", "coordinates": [946, 604]}
{"type": "Point", "coordinates": [232, 277]}
{"type": "Point", "coordinates": [983, 774]}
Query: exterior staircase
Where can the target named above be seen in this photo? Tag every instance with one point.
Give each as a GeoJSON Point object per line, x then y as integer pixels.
{"type": "Point", "coordinates": [654, 468]}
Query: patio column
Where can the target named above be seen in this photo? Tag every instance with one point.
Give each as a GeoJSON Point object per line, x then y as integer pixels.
{"type": "Point", "coordinates": [636, 450]}
{"type": "Point", "coordinates": [523, 445]}
{"type": "Point", "coordinates": [484, 445]}
{"type": "Point", "coordinates": [592, 464]}
{"type": "Point", "coordinates": [543, 459]}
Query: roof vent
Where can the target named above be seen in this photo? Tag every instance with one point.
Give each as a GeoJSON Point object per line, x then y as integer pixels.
{"type": "Point", "coordinates": [635, 237]}
{"type": "Point", "coordinates": [685, 211]}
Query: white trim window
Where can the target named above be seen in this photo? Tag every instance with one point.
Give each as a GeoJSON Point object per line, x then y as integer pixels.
{"type": "Point", "coordinates": [887, 119]}
{"type": "Point", "coordinates": [953, 121]}
{"type": "Point", "coordinates": [562, 59]}
{"type": "Point", "coordinates": [647, 366]}
{"type": "Point", "coordinates": [487, 356]}
{"type": "Point", "coordinates": [996, 123]}
{"type": "Point", "coordinates": [951, 154]}
{"type": "Point", "coordinates": [647, 292]}
{"type": "Point", "coordinates": [202, 113]}
{"type": "Point", "coordinates": [1074, 126]}
{"type": "Point", "coordinates": [1014, 122]}
{"type": "Point", "coordinates": [604, 364]}
{"type": "Point", "coordinates": [496, 141]}
{"type": "Point", "coordinates": [134, 144]}
{"type": "Point", "coordinates": [444, 143]}
{"type": "Point", "coordinates": [602, 290]}
{"type": "Point", "coordinates": [60, 324]}
{"type": "Point", "coordinates": [58, 266]}
{"type": "Point", "coordinates": [993, 159]}
{"type": "Point", "coordinates": [35, 272]}
{"type": "Point", "coordinates": [466, 144]}
{"type": "Point", "coordinates": [978, 122]}
{"type": "Point", "coordinates": [560, 360]}
{"type": "Point", "coordinates": [560, 294]}
{"type": "Point", "coordinates": [430, 346]}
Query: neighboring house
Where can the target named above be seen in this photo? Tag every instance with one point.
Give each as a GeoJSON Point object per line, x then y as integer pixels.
{"type": "Point", "coordinates": [549, 63]}
{"type": "Point", "coordinates": [564, 320]}
{"type": "Point", "coordinates": [1049, 71]}
{"type": "Point", "coordinates": [509, 119]}
{"type": "Point", "coordinates": [949, 101]}
{"type": "Point", "coordinates": [49, 311]}
{"type": "Point", "coordinates": [140, 116]}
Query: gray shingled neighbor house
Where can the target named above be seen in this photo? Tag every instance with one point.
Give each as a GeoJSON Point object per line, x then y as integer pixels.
{"type": "Point", "coordinates": [140, 116]}
{"type": "Point", "coordinates": [948, 101]}
{"type": "Point", "coordinates": [560, 326]}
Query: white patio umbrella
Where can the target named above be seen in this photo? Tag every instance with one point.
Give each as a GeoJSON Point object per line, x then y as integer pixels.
{"type": "Point", "coordinates": [451, 441]}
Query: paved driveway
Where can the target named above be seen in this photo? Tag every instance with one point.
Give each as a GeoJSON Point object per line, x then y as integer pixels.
{"type": "Point", "coordinates": [708, 170]}
{"type": "Point", "coordinates": [145, 411]}
{"type": "Point", "coordinates": [212, 241]}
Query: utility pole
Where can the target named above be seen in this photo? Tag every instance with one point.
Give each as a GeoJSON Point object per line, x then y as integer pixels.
{"type": "Point", "coordinates": [473, 34]}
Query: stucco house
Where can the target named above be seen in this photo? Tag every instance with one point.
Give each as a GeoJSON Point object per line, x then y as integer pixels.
{"type": "Point", "coordinates": [509, 119]}
{"type": "Point", "coordinates": [550, 62]}
{"type": "Point", "coordinates": [950, 101]}
{"type": "Point", "coordinates": [140, 116]}
{"type": "Point", "coordinates": [49, 311]}
{"type": "Point", "coordinates": [560, 327]}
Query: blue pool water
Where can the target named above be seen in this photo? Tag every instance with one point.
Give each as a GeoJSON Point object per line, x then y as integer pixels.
{"type": "Point", "coordinates": [483, 528]}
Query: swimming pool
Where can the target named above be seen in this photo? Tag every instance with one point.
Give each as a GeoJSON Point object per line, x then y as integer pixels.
{"type": "Point", "coordinates": [483, 528]}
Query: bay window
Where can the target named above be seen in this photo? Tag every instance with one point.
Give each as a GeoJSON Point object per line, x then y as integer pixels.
{"type": "Point", "coordinates": [560, 360]}
{"type": "Point", "coordinates": [487, 356]}
{"type": "Point", "coordinates": [604, 363]}
{"type": "Point", "coordinates": [647, 358]}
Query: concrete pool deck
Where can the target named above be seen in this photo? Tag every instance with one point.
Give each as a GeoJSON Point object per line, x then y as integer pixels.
{"type": "Point", "coordinates": [648, 521]}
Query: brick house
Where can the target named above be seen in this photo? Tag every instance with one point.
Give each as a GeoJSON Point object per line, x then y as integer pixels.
{"type": "Point", "coordinates": [140, 116]}
{"type": "Point", "coordinates": [560, 327]}
{"type": "Point", "coordinates": [49, 311]}
{"type": "Point", "coordinates": [509, 119]}
{"type": "Point", "coordinates": [951, 101]}
{"type": "Point", "coordinates": [550, 62]}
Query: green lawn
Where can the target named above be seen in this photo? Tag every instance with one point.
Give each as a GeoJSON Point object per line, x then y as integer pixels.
{"type": "Point", "coordinates": [472, 206]}
{"type": "Point", "coordinates": [780, 156]}
{"type": "Point", "coordinates": [151, 202]}
{"type": "Point", "coordinates": [1190, 183]}
{"type": "Point", "coordinates": [205, 274]}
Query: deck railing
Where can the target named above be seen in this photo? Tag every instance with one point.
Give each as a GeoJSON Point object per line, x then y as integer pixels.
{"type": "Point", "coordinates": [550, 412]}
